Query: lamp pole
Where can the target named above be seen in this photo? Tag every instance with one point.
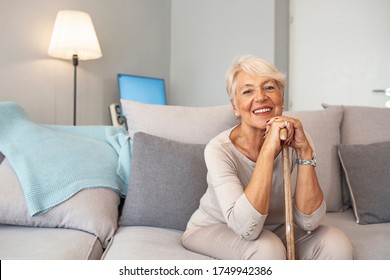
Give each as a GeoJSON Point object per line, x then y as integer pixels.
{"type": "Point", "coordinates": [74, 38]}
{"type": "Point", "coordinates": [75, 63]}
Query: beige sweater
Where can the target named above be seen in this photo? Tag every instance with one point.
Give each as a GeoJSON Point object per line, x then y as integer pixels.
{"type": "Point", "coordinates": [229, 171]}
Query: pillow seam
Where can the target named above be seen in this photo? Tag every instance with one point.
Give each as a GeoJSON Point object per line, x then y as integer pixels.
{"type": "Point", "coordinates": [354, 206]}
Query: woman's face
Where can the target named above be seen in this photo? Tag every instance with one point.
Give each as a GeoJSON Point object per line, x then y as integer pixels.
{"type": "Point", "coordinates": [257, 99]}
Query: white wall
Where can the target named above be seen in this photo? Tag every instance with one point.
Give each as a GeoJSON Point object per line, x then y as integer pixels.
{"type": "Point", "coordinates": [188, 43]}
{"type": "Point", "coordinates": [206, 35]}
{"type": "Point", "coordinates": [134, 36]}
{"type": "Point", "coordinates": [339, 52]}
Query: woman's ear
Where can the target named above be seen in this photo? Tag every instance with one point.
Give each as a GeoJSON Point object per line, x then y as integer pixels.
{"type": "Point", "coordinates": [234, 108]}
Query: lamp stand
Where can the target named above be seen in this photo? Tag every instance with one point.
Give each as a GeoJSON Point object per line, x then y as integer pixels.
{"type": "Point", "coordinates": [75, 63]}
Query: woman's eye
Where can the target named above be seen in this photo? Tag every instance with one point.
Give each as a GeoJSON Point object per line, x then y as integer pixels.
{"type": "Point", "coordinates": [270, 88]}
{"type": "Point", "coordinates": [247, 91]}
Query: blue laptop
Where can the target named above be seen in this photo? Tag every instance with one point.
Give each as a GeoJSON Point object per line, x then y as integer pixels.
{"type": "Point", "coordinates": [142, 89]}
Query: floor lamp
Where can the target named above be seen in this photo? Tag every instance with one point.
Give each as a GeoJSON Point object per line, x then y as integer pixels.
{"type": "Point", "coordinates": [74, 38]}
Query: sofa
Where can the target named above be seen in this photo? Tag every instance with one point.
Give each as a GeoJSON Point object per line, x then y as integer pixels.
{"type": "Point", "coordinates": [167, 177]}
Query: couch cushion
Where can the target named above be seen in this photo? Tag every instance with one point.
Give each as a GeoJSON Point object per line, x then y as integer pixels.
{"type": "Point", "coordinates": [168, 178]}
{"type": "Point", "coordinates": [362, 125]}
{"type": "Point", "coordinates": [371, 242]}
{"type": "Point", "coordinates": [148, 243]}
{"type": "Point", "coordinates": [29, 243]}
{"type": "Point", "coordinates": [179, 123]}
{"type": "Point", "coordinates": [365, 125]}
{"type": "Point", "coordinates": [92, 210]}
{"type": "Point", "coordinates": [367, 170]}
{"type": "Point", "coordinates": [323, 126]}
{"type": "Point", "coordinates": [199, 125]}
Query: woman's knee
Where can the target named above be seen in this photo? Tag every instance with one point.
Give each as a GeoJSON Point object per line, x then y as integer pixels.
{"type": "Point", "coordinates": [337, 245]}
{"type": "Point", "coordinates": [328, 243]}
{"type": "Point", "coordinates": [267, 247]}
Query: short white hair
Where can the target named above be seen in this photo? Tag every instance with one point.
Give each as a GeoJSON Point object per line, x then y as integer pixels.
{"type": "Point", "coordinates": [255, 66]}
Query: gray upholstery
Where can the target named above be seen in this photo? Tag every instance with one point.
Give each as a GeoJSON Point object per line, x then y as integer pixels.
{"type": "Point", "coordinates": [92, 210]}
{"type": "Point", "coordinates": [148, 243]}
{"type": "Point", "coordinates": [168, 178]}
{"type": "Point", "coordinates": [367, 170]}
{"type": "Point", "coordinates": [365, 125]}
{"type": "Point", "coordinates": [32, 243]}
{"type": "Point", "coordinates": [359, 125]}
{"type": "Point", "coordinates": [185, 124]}
{"type": "Point", "coordinates": [370, 242]}
{"type": "Point", "coordinates": [323, 128]}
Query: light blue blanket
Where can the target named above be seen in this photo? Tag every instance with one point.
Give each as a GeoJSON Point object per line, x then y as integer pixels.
{"type": "Point", "coordinates": [53, 163]}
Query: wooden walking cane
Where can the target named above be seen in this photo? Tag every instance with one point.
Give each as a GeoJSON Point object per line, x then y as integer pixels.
{"type": "Point", "coordinates": [287, 197]}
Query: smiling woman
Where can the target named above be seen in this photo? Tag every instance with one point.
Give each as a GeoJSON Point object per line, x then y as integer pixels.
{"type": "Point", "coordinates": [253, 67]}
{"type": "Point", "coordinates": [257, 88]}
{"type": "Point", "coordinates": [244, 183]}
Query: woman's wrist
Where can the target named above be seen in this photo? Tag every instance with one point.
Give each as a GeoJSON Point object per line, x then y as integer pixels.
{"type": "Point", "coordinates": [306, 153]}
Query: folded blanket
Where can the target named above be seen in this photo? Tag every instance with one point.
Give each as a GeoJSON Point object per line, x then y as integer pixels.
{"type": "Point", "coordinates": [55, 162]}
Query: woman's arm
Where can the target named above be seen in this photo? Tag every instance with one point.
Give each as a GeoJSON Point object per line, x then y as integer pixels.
{"type": "Point", "coordinates": [258, 190]}
{"type": "Point", "coordinates": [235, 208]}
{"type": "Point", "coordinates": [308, 194]}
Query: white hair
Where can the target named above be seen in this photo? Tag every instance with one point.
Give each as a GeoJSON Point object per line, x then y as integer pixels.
{"type": "Point", "coordinates": [255, 66]}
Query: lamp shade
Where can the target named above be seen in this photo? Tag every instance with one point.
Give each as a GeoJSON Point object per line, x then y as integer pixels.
{"type": "Point", "coordinates": [74, 34]}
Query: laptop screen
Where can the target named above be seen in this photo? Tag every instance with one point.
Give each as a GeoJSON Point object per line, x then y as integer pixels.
{"type": "Point", "coordinates": [142, 89]}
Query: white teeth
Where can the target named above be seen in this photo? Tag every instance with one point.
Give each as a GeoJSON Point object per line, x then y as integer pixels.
{"type": "Point", "coordinates": [262, 110]}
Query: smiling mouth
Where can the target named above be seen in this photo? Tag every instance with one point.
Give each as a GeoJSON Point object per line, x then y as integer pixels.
{"type": "Point", "coordinates": [262, 111]}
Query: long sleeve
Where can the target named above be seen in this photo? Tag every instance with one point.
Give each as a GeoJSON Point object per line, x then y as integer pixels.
{"type": "Point", "coordinates": [312, 221]}
{"type": "Point", "coordinates": [224, 173]}
{"type": "Point", "coordinates": [229, 172]}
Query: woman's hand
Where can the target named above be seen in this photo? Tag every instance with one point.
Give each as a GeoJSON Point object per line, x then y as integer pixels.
{"type": "Point", "coordinates": [296, 137]}
{"type": "Point", "coordinates": [308, 194]}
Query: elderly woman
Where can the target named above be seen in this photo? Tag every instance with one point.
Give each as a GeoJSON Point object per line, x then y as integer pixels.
{"type": "Point", "coordinates": [241, 214]}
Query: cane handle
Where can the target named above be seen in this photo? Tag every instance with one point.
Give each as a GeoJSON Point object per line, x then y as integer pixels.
{"type": "Point", "coordinates": [283, 134]}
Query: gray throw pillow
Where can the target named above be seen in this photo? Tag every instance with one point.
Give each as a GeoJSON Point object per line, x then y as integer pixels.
{"type": "Point", "coordinates": [367, 171]}
{"type": "Point", "coordinates": [168, 178]}
{"type": "Point", "coordinates": [357, 128]}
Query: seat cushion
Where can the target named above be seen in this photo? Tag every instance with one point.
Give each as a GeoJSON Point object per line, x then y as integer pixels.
{"type": "Point", "coordinates": [148, 243]}
{"type": "Point", "coordinates": [370, 242]}
{"type": "Point", "coordinates": [28, 243]}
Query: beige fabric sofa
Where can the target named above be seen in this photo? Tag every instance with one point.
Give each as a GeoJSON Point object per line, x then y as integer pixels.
{"type": "Point", "coordinates": [150, 227]}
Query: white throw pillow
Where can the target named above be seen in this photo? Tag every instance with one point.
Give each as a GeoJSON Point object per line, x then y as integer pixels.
{"type": "Point", "coordinates": [179, 123]}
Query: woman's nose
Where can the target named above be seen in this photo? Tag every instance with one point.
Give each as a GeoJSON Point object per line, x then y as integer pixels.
{"type": "Point", "coordinates": [260, 95]}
